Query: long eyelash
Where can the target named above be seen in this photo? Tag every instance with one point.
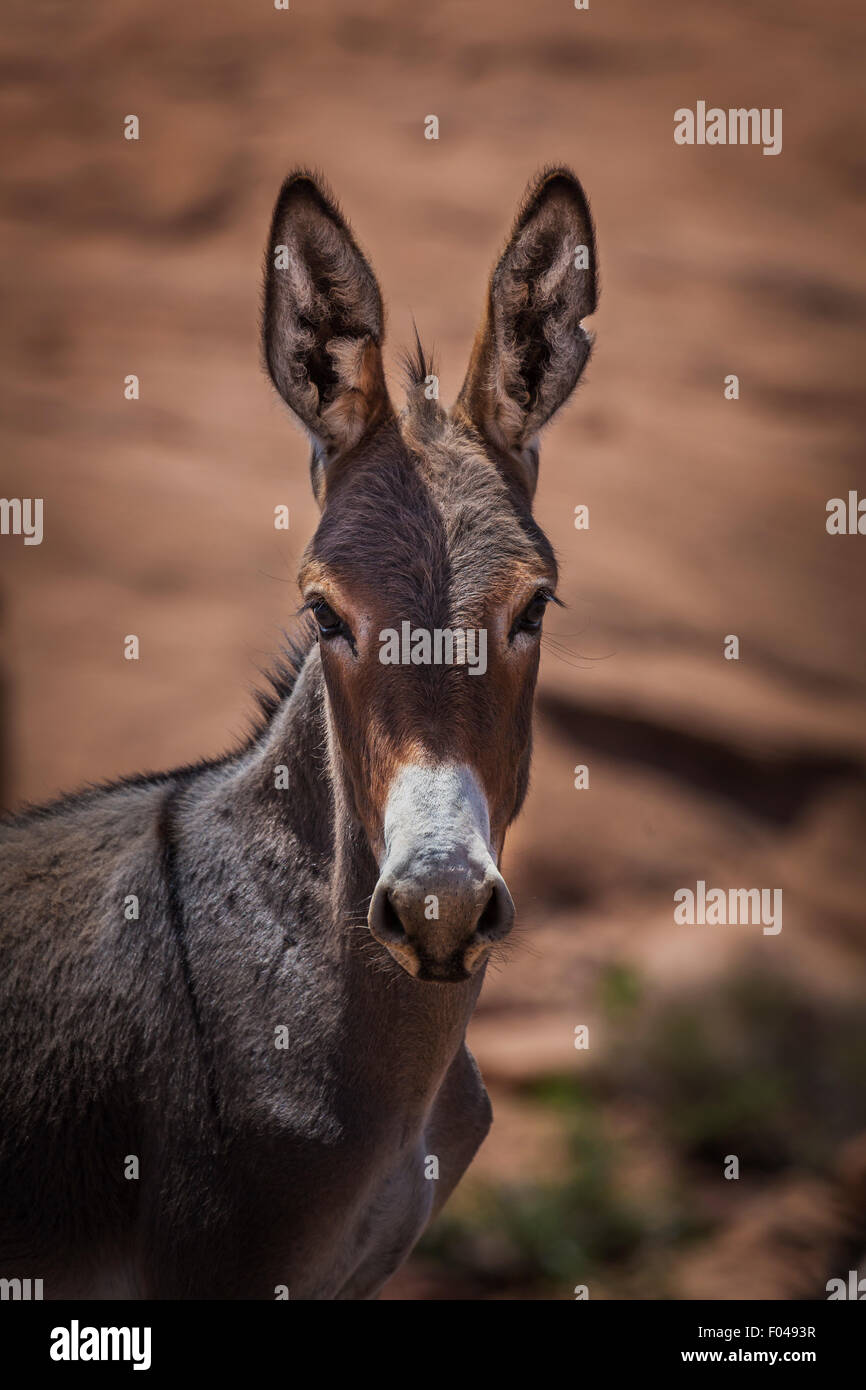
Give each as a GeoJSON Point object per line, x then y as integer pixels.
{"type": "Point", "coordinates": [545, 594]}
{"type": "Point", "coordinates": [551, 597]}
{"type": "Point", "coordinates": [311, 604]}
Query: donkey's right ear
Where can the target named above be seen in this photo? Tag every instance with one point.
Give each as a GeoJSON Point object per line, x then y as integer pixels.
{"type": "Point", "coordinates": [323, 321]}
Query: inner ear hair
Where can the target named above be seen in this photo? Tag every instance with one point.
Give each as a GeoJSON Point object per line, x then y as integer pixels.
{"type": "Point", "coordinates": [532, 347]}
{"type": "Point", "coordinates": [323, 320]}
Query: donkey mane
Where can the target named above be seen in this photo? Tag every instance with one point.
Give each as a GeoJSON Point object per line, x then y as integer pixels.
{"type": "Point", "coordinates": [417, 364]}
{"type": "Point", "coordinates": [280, 679]}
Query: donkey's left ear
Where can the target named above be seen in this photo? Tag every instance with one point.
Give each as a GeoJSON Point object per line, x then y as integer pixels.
{"type": "Point", "coordinates": [323, 320]}
{"type": "Point", "coordinates": [531, 348]}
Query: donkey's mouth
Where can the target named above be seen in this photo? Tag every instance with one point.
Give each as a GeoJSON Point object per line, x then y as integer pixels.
{"type": "Point", "coordinates": [443, 975]}
{"type": "Point", "coordinates": [459, 968]}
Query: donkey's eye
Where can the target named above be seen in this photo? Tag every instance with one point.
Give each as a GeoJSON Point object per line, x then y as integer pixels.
{"type": "Point", "coordinates": [530, 619]}
{"type": "Point", "coordinates": [330, 623]}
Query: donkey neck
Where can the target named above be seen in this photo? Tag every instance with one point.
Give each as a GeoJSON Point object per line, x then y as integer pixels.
{"type": "Point", "coordinates": [402, 1034]}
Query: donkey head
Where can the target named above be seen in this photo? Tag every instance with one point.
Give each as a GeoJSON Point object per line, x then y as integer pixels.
{"type": "Point", "coordinates": [427, 576]}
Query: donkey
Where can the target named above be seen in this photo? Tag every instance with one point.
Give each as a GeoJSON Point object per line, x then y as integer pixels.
{"type": "Point", "coordinates": [234, 996]}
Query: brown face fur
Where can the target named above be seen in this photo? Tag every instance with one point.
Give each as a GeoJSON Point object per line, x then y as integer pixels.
{"type": "Point", "coordinates": [425, 530]}
{"type": "Point", "coordinates": [426, 516]}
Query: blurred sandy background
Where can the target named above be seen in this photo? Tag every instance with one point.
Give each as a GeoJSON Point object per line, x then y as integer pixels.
{"type": "Point", "coordinates": [707, 517]}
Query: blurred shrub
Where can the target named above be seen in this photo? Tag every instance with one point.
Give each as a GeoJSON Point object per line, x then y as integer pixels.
{"type": "Point", "coordinates": [760, 1069]}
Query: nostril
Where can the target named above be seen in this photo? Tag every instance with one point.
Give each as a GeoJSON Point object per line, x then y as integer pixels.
{"type": "Point", "coordinates": [498, 915]}
{"type": "Point", "coordinates": [489, 919]}
{"type": "Point", "coordinates": [391, 924]}
{"type": "Point", "coordinates": [383, 918]}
